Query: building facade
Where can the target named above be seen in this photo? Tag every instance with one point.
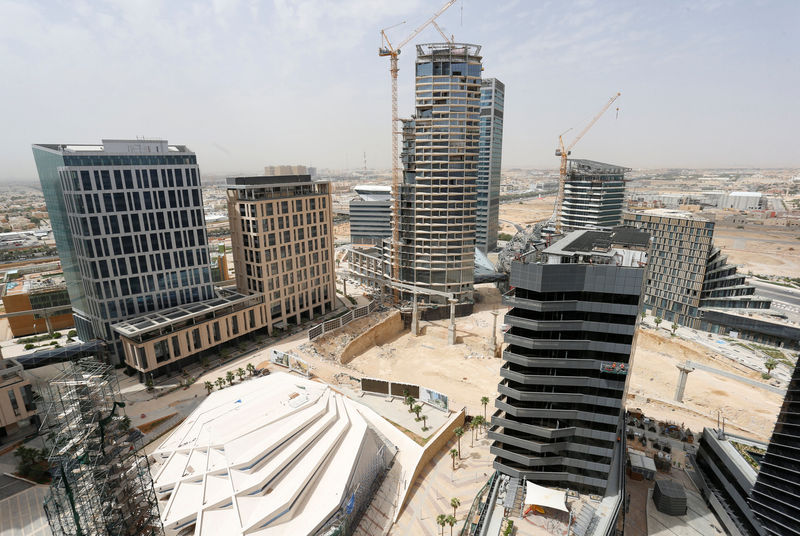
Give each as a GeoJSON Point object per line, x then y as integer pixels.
{"type": "Point", "coordinates": [686, 272]}
{"type": "Point", "coordinates": [371, 215]}
{"type": "Point", "coordinates": [489, 160]}
{"type": "Point", "coordinates": [134, 237]}
{"type": "Point", "coordinates": [775, 499]}
{"type": "Point", "coordinates": [561, 404]}
{"type": "Point", "coordinates": [594, 195]}
{"type": "Point", "coordinates": [436, 248]}
{"type": "Point", "coordinates": [282, 238]}
{"type": "Point", "coordinates": [16, 398]}
{"type": "Point", "coordinates": [37, 291]}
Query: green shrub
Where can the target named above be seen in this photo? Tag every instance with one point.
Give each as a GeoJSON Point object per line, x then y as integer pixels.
{"type": "Point", "coordinates": [72, 333]}
{"type": "Point", "coordinates": [56, 335]}
{"type": "Point", "coordinates": [30, 346]}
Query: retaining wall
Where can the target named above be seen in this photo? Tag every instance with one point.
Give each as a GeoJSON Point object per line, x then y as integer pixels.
{"type": "Point", "coordinates": [380, 333]}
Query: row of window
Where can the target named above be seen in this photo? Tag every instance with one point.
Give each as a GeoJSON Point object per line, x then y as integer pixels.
{"type": "Point", "coordinates": [126, 179]}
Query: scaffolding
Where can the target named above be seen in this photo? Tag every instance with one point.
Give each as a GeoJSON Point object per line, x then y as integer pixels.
{"type": "Point", "coordinates": [101, 484]}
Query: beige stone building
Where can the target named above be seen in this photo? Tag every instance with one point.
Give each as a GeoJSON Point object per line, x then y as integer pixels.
{"type": "Point", "coordinates": [16, 399]}
{"type": "Point", "coordinates": [282, 238]}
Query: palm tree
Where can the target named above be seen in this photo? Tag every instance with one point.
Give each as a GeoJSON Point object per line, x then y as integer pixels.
{"type": "Point", "coordinates": [658, 321]}
{"type": "Point", "coordinates": [454, 455]}
{"type": "Point", "coordinates": [241, 373]}
{"type": "Point", "coordinates": [251, 368]}
{"type": "Point", "coordinates": [416, 410]}
{"type": "Point", "coordinates": [451, 520]}
{"type": "Point", "coordinates": [459, 432]}
{"type": "Point", "coordinates": [479, 421]}
{"type": "Point", "coordinates": [770, 364]}
{"type": "Point", "coordinates": [209, 387]}
{"type": "Point", "coordinates": [675, 327]}
{"type": "Point", "coordinates": [424, 422]}
{"type": "Point", "coordinates": [441, 520]}
{"type": "Point", "coordinates": [484, 401]}
{"type": "Point", "coordinates": [455, 503]}
{"type": "Point", "coordinates": [472, 426]}
{"type": "Point", "coordinates": [229, 376]}
{"type": "Point", "coordinates": [410, 401]}
{"type": "Point", "coordinates": [220, 382]}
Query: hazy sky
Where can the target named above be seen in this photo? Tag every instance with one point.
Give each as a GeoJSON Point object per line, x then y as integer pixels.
{"type": "Point", "coordinates": [248, 83]}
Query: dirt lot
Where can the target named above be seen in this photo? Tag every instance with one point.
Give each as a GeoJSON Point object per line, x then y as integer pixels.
{"type": "Point", "coordinates": [761, 250]}
{"type": "Point", "coordinates": [525, 212]}
{"type": "Point", "coordinates": [654, 377]}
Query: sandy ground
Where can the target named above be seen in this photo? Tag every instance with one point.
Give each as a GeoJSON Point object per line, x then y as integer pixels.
{"type": "Point", "coordinates": [654, 378]}
{"type": "Point", "coordinates": [525, 212]}
{"type": "Point", "coordinates": [761, 250]}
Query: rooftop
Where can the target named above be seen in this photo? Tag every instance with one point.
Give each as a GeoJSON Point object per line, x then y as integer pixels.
{"type": "Point", "coordinates": [625, 246]}
{"type": "Point", "coordinates": [122, 146]}
{"type": "Point", "coordinates": [267, 180]}
{"type": "Point", "coordinates": [273, 455]}
{"type": "Point", "coordinates": [580, 165]}
{"type": "Point", "coordinates": [157, 323]}
{"type": "Point", "coordinates": [36, 282]}
{"type": "Point", "coordinates": [670, 213]}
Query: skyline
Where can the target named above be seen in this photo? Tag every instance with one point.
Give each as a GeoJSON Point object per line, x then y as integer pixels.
{"type": "Point", "coordinates": [247, 84]}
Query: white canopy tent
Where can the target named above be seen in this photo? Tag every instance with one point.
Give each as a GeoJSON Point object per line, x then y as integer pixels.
{"type": "Point", "coordinates": [541, 496]}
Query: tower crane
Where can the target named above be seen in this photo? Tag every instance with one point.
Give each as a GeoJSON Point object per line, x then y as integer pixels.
{"type": "Point", "coordinates": [565, 152]}
{"type": "Point", "coordinates": [387, 49]}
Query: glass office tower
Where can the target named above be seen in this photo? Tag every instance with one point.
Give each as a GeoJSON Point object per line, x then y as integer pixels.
{"type": "Point", "coordinates": [437, 199]}
{"type": "Point", "coordinates": [129, 227]}
{"type": "Point", "coordinates": [491, 151]}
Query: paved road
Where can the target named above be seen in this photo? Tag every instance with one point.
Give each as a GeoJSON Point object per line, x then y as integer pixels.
{"type": "Point", "coordinates": [777, 292]}
{"type": "Point", "coordinates": [738, 378]}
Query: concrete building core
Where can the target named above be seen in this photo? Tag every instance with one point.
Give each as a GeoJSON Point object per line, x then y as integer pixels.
{"type": "Point", "coordinates": [436, 222]}
{"type": "Point", "coordinates": [594, 194]}
{"type": "Point", "coordinates": [560, 409]}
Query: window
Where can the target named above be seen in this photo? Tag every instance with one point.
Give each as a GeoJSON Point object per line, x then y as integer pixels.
{"type": "Point", "coordinates": [176, 346]}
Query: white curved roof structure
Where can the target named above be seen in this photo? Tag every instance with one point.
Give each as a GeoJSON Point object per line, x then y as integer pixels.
{"type": "Point", "coordinates": [373, 192]}
{"type": "Point", "coordinates": [272, 455]}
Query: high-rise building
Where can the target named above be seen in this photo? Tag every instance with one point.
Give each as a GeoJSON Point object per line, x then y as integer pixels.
{"type": "Point", "coordinates": [686, 273]}
{"type": "Point", "coordinates": [775, 498]}
{"type": "Point", "coordinates": [436, 248]}
{"type": "Point", "coordinates": [282, 238]}
{"type": "Point", "coordinates": [573, 317]}
{"type": "Point", "coordinates": [128, 221]}
{"type": "Point", "coordinates": [594, 194]}
{"type": "Point", "coordinates": [491, 152]}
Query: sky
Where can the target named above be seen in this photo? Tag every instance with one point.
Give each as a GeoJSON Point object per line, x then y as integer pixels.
{"type": "Point", "coordinates": [705, 84]}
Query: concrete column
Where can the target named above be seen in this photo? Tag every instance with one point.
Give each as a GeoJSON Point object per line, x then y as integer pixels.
{"type": "Point", "coordinates": [451, 330]}
{"type": "Point", "coordinates": [49, 325]}
{"type": "Point", "coordinates": [683, 373]}
{"type": "Point", "coordinates": [493, 340]}
{"type": "Point", "coordinates": [415, 317]}
{"type": "Point", "coordinates": [344, 288]}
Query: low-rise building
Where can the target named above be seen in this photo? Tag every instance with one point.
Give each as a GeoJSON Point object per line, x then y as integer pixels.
{"type": "Point", "coordinates": [36, 291]}
{"type": "Point", "coordinates": [16, 398]}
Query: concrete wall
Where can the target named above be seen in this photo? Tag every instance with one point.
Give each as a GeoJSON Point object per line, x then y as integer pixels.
{"type": "Point", "coordinates": [380, 333]}
{"type": "Point", "coordinates": [435, 445]}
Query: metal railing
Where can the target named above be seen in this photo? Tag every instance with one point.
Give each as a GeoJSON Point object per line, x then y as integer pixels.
{"type": "Point", "coordinates": [336, 323]}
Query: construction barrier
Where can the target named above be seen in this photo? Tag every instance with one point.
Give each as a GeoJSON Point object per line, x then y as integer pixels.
{"type": "Point", "coordinates": [422, 394]}
{"type": "Point", "coordinates": [290, 361]}
{"type": "Point", "coordinates": [336, 323]}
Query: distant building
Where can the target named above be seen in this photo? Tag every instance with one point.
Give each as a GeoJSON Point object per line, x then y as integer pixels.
{"type": "Point", "coordinates": [16, 398]}
{"type": "Point", "coordinates": [686, 273]}
{"type": "Point", "coordinates": [282, 238]}
{"type": "Point", "coordinates": [371, 215]}
{"type": "Point", "coordinates": [30, 292]}
{"type": "Point", "coordinates": [273, 171]}
{"type": "Point", "coordinates": [561, 404]}
{"type": "Point", "coordinates": [727, 465]}
{"type": "Point", "coordinates": [776, 495]}
{"type": "Point", "coordinates": [489, 160]}
{"type": "Point", "coordinates": [594, 195]}
{"type": "Point", "coordinates": [743, 201]}
{"type": "Point", "coordinates": [128, 222]}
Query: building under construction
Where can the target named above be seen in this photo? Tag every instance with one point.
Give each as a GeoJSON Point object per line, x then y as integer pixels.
{"type": "Point", "coordinates": [594, 194]}
{"type": "Point", "coordinates": [436, 219]}
{"type": "Point", "coordinates": [101, 484]}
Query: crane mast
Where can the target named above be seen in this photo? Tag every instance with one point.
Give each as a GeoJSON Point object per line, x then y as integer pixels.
{"type": "Point", "coordinates": [392, 52]}
{"type": "Point", "coordinates": [564, 152]}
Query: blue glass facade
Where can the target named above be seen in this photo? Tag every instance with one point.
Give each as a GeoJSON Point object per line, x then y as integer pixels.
{"type": "Point", "coordinates": [491, 151]}
{"type": "Point", "coordinates": [48, 162]}
{"type": "Point", "coordinates": [129, 228]}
